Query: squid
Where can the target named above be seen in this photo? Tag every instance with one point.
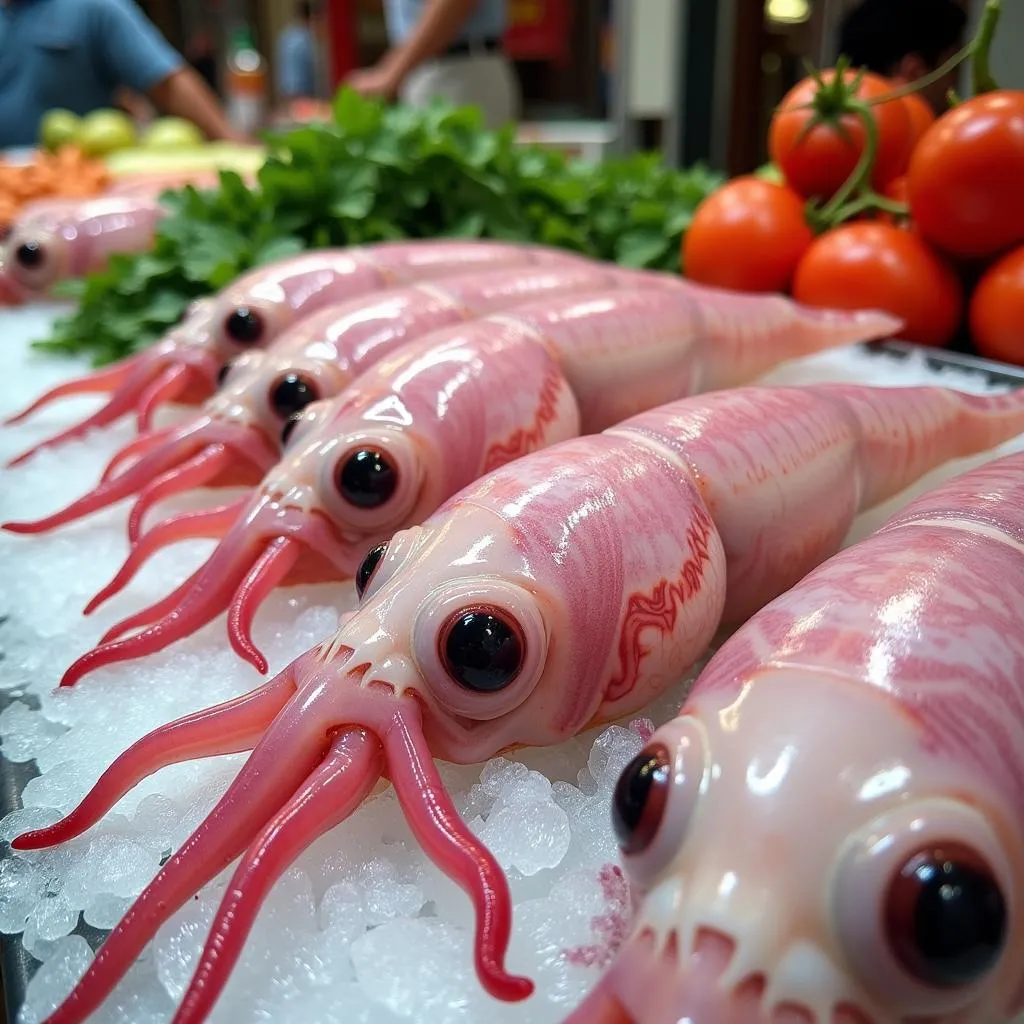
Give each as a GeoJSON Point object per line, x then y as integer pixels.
{"type": "Point", "coordinates": [864, 733]}
{"type": "Point", "coordinates": [565, 589]}
{"type": "Point", "coordinates": [61, 238]}
{"type": "Point", "coordinates": [237, 436]}
{"type": "Point", "coordinates": [252, 311]}
{"type": "Point", "coordinates": [425, 422]}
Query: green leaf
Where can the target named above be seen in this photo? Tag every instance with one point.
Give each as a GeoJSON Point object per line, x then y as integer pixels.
{"type": "Point", "coordinates": [642, 247]}
{"type": "Point", "coordinates": [278, 249]}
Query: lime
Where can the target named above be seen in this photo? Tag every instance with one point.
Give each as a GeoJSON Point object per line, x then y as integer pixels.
{"type": "Point", "coordinates": [105, 131]}
{"type": "Point", "coordinates": [57, 128]}
{"type": "Point", "coordinates": [172, 133]}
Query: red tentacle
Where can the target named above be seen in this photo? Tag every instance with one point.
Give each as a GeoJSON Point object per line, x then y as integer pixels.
{"type": "Point", "coordinates": [331, 793]}
{"type": "Point", "coordinates": [228, 728]}
{"type": "Point", "coordinates": [165, 389]}
{"type": "Point", "coordinates": [198, 471]}
{"type": "Point", "coordinates": [121, 402]}
{"type": "Point", "coordinates": [105, 380]}
{"type": "Point", "coordinates": [265, 783]}
{"type": "Point", "coordinates": [135, 449]}
{"type": "Point", "coordinates": [210, 523]}
{"type": "Point", "coordinates": [200, 600]}
{"type": "Point", "coordinates": [269, 570]}
{"type": "Point", "coordinates": [154, 612]}
{"type": "Point", "coordinates": [452, 846]}
{"type": "Point", "coordinates": [134, 478]}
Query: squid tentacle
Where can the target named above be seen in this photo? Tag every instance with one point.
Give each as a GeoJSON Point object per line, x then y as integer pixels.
{"type": "Point", "coordinates": [333, 791]}
{"type": "Point", "coordinates": [161, 391]}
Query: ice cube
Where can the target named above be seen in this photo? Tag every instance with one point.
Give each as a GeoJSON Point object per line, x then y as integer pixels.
{"type": "Point", "coordinates": [55, 978]}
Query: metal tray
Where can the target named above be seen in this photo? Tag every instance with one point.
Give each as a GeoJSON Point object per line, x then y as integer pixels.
{"type": "Point", "coordinates": [18, 967]}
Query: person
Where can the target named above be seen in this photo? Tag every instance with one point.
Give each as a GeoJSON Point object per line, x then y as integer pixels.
{"type": "Point", "coordinates": [447, 49]}
{"type": "Point", "coordinates": [904, 40]}
{"type": "Point", "coordinates": [295, 59]}
{"type": "Point", "coordinates": [81, 55]}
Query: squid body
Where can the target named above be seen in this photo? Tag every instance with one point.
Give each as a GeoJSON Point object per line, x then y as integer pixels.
{"type": "Point", "coordinates": [425, 422]}
{"type": "Point", "coordinates": [832, 831]}
{"type": "Point", "coordinates": [564, 589]}
{"type": "Point", "coordinates": [255, 309]}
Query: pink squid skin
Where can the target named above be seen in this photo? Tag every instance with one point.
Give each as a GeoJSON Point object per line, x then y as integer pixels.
{"type": "Point", "coordinates": [255, 309]}
{"type": "Point", "coordinates": [883, 697]}
{"type": "Point", "coordinates": [236, 438]}
{"type": "Point", "coordinates": [580, 581]}
{"type": "Point", "coordinates": [540, 373]}
{"type": "Point", "coordinates": [70, 238]}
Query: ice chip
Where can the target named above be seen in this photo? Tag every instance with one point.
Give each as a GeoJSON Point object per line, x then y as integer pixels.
{"type": "Point", "coordinates": [55, 979]}
{"type": "Point", "coordinates": [21, 885]}
{"type": "Point", "coordinates": [104, 911]}
{"type": "Point", "coordinates": [611, 752]}
{"type": "Point", "coordinates": [528, 836]}
{"type": "Point", "coordinates": [25, 732]}
{"type": "Point", "coordinates": [113, 864]}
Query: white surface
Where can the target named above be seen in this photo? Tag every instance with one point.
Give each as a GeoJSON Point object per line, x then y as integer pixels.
{"type": "Point", "coordinates": [364, 928]}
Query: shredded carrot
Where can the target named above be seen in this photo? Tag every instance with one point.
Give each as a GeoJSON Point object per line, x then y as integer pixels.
{"type": "Point", "coordinates": [65, 173]}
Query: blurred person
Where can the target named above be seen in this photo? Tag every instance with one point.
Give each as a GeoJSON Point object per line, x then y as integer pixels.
{"type": "Point", "coordinates": [445, 49]}
{"type": "Point", "coordinates": [201, 53]}
{"type": "Point", "coordinates": [295, 58]}
{"type": "Point", "coordinates": [904, 40]}
{"type": "Point", "coordinates": [82, 55]}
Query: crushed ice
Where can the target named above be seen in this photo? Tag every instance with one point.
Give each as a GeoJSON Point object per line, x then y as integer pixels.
{"type": "Point", "coordinates": [363, 928]}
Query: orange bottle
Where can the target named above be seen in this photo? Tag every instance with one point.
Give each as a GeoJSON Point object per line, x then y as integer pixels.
{"type": "Point", "coordinates": [245, 85]}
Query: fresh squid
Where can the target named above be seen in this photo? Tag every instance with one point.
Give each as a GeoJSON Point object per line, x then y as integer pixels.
{"type": "Point", "coordinates": [562, 590]}
{"type": "Point", "coordinates": [236, 438]}
{"type": "Point", "coordinates": [386, 453]}
{"type": "Point", "coordinates": [252, 311]}
{"type": "Point", "coordinates": [61, 238]}
{"type": "Point", "coordinates": [864, 735]}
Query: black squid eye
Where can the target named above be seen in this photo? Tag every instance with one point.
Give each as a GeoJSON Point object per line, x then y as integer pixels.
{"type": "Point", "coordinates": [368, 566]}
{"type": "Point", "coordinates": [945, 916]}
{"type": "Point", "coordinates": [367, 478]}
{"type": "Point", "coordinates": [482, 650]}
{"type": "Point", "coordinates": [30, 255]}
{"type": "Point", "coordinates": [641, 794]}
{"type": "Point", "coordinates": [244, 325]}
{"type": "Point", "coordinates": [291, 394]}
{"type": "Point", "coordinates": [222, 373]}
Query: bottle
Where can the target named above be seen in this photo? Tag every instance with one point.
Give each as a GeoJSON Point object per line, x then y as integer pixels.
{"type": "Point", "coordinates": [245, 86]}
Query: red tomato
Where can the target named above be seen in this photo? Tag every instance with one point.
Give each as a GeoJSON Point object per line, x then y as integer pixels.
{"type": "Point", "coordinates": [878, 266]}
{"type": "Point", "coordinates": [997, 310]}
{"type": "Point", "coordinates": [922, 117]}
{"type": "Point", "coordinates": [748, 236]}
{"type": "Point", "coordinates": [966, 178]}
{"type": "Point", "coordinates": [817, 164]}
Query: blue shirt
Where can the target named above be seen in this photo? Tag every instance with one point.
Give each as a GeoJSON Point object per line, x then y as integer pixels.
{"type": "Point", "coordinates": [488, 20]}
{"type": "Point", "coordinates": [296, 67]}
{"type": "Point", "coordinates": [73, 54]}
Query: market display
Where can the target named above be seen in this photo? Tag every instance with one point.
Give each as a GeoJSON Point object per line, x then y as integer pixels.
{"type": "Point", "coordinates": [485, 629]}
{"type": "Point", "coordinates": [253, 310]}
{"type": "Point", "coordinates": [385, 453]}
{"type": "Point", "coordinates": [879, 205]}
{"type": "Point", "coordinates": [905, 892]}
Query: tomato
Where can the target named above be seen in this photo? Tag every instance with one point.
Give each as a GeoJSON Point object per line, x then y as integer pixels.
{"type": "Point", "coordinates": [817, 164]}
{"type": "Point", "coordinates": [877, 266]}
{"type": "Point", "coordinates": [922, 117]}
{"type": "Point", "coordinates": [997, 310]}
{"type": "Point", "coordinates": [748, 236]}
{"type": "Point", "coordinates": [966, 176]}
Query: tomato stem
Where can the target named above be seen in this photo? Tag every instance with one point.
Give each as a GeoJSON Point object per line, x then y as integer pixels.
{"type": "Point", "coordinates": [862, 172]}
{"type": "Point", "coordinates": [981, 71]}
{"type": "Point", "coordinates": [872, 201]}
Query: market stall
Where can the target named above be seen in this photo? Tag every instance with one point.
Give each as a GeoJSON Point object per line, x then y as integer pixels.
{"type": "Point", "coordinates": [411, 464]}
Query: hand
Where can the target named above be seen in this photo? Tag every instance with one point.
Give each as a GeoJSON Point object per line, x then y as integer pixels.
{"type": "Point", "coordinates": [378, 81]}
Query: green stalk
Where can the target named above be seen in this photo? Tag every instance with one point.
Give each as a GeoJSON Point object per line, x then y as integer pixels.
{"type": "Point", "coordinates": [862, 172]}
{"type": "Point", "coordinates": [981, 71]}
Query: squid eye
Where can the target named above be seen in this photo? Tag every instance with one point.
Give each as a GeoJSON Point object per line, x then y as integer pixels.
{"type": "Point", "coordinates": [368, 566]}
{"type": "Point", "coordinates": [482, 650]}
{"type": "Point", "coordinates": [641, 795]}
{"type": "Point", "coordinates": [367, 478]}
{"type": "Point", "coordinates": [222, 373]}
{"type": "Point", "coordinates": [945, 916]}
{"type": "Point", "coordinates": [30, 255]}
{"type": "Point", "coordinates": [291, 394]}
{"type": "Point", "coordinates": [244, 325]}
